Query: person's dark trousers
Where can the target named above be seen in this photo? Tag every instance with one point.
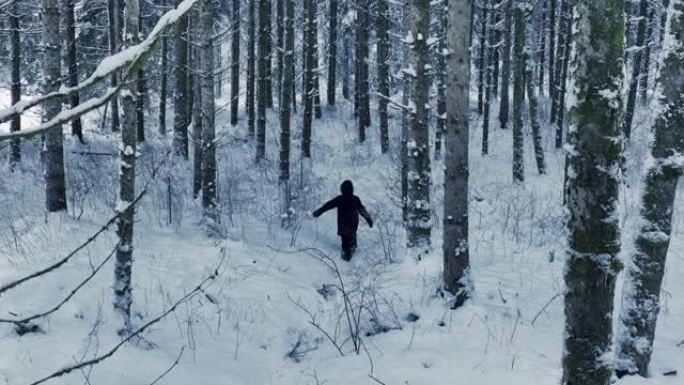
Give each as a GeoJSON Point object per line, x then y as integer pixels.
{"type": "Point", "coordinates": [348, 245]}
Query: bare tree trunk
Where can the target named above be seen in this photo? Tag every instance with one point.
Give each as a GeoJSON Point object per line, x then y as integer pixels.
{"type": "Point", "coordinates": [482, 59]}
{"type": "Point", "coordinates": [206, 58]}
{"type": "Point", "coordinates": [308, 91]}
{"type": "Point", "coordinates": [55, 193]}
{"type": "Point", "coordinates": [114, 30]}
{"type": "Point", "coordinates": [506, 67]}
{"type": "Point", "coordinates": [163, 88]}
{"type": "Point", "coordinates": [489, 80]}
{"type": "Point", "coordinates": [457, 278]}
{"type": "Point", "coordinates": [646, 60]}
{"type": "Point", "coordinates": [552, 46]}
{"type": "Point", "coordinates": [250, 100]}
{"type": "Point", "coordinates": [419, 172]}
{"type": "Point", "coordinates": [519, 91]}
{"type": "Point", "coordinates": [542, 51]}
{"type": "Point", "coordinates": [180, 93]}
{"type": "Point", "coordinates": [533, 110]}
{"type": "Point", "coordinates": [636, 69]}
{"type": "Point", "coordinates": [362, 68]}
{"type": "Point", "coordinates": [592, 192]}
{"type": "Point", "coordinates": [332, 54]}
{"type": "Point", "coordinates": [646, 267]}
{"type": "Point", "coordinates": [318, 112]}
{"type": "Point", "coordinates": [286, 105]}
{"type": "Point", "coordinates": [264, 80]}
{"type": "Point", "coordinates": [346, 56]}
{"type": "Point", "coordinates": [406, 91]}
{"type": "Point", "coordinates": [280, 47]}
{"type": "Point", "coordinates": [266, 28]}
{"type": "Point", "coordinates": [15, 126]}
{"type": "Point", "coordinates": [72, 65]}
{"type": "Point", "coordinates": [124, 255]}
{"type": "Point", "coordinates": [561, 71]}
{"type": "Point", "coordinates": [235, 64]}
{"type": "Point", "coordinates": [440, 76]}
{"type": "Point", "coordinates": [383, 57]}
{"type": "Point", "coordinates": [197, 116]}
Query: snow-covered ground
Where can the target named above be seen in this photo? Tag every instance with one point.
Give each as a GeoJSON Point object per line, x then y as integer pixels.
{"type": "Point", "coordinates": [270, 316]}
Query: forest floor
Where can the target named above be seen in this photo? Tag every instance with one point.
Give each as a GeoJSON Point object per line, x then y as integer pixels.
{"type": "Point", "coordinates": [272, 314]}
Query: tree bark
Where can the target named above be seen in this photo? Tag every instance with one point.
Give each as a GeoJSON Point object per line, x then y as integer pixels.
{"type": "Point", "coordinates": [124, 255]}
{"type": "Point", "coordinates": [114, 34]}
{"type": "Point", "coordinates": [263, 87]}
{"type": "Point", "coordinates": [332, 54]}
{"type": "Point", "coordinates": [235, 64]}
{"type": "Point", "coordinates": [457, 278]}
{"type": "Point", "coordinates": [383, 57]}
{"type": "Point", "coordinates": [489, 79]}
{"type": "Point", "coordinates": [636, 68]}
{"type": "Point", "coordinates": [72, 65]}
{"type": "Point", "coordinates": [250, 99]}
{"type": "Point", "coordinates": [180, 93]}
{"type": "Point", "coordinates": [419, 172]}
{"type": "Point", "coordinates": [592, 192]}
{"type": "Point", "coordinates": [440, 76]}
{"type": "Point", "coordinates": [506, 66]}
{"type": "Point", "coordinates": [15, 47]}
{"type": "Point", "coordinates": [482, 59]}
{"type": "Point", "coordinates": [519, 90]}
{"type": "Point", "coordinates": [308, 91]}
{"type": "Point", "coordinates": [206, 58]}
{"type": "Point", "coordinates": [163, 88]}
{"type": "Point", "coordinates": [55, 185]}
{"type": "Point", "coordinates": [286, 105]}
{"type": "Point", "coordinates": [362, 97]}
{"type": "Point", "coordinates": [646, 267]}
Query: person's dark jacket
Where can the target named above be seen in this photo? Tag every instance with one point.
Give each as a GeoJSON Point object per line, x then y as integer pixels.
{"type": "Point", "coordinates": [348, 207]}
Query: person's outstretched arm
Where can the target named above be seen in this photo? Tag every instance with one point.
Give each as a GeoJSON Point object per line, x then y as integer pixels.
{"type": "Point", "coordinates": [364, 213]}
{"type": "Point", "coordinates": [329, 205]}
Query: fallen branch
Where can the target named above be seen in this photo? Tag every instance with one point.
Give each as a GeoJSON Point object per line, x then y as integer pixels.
{"type": "Point", "coordinates": [66, 259]}
{"type": "Point", "coordinates": [67, 298]}
{"type": "Point", "coordinates": [98, 359]}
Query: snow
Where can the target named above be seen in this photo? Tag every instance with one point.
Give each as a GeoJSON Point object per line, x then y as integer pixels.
{"type": "Point", "coordinates": [253, 324]}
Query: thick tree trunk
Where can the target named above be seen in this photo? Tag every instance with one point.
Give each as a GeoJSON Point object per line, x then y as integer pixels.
{"type": "Point", "coordinates": [318, 111]}
{"type": "Point", "coordinates": [15, 47]}
{"type": "Point", "coordinates": [383, 57]}
{"type": "Point", "coordinates": [332, 53]}
{"type": "Point", "coordinates": [124, 255]}
{"type": "Point", "coordinates": [506, 66]}
{"type": "Point", "coordinates": [592, 191]}
{"type": "Point", "coordinates": [206, 58]}
{"type": "Point", "coordinates": [72, 65]}
{"type": "Point", "coordinates": [114, 34]}
{"type": "Point", "coordinates": [519, 90]}
{"type": "Point", "coordinates": [235, 64]}
{"type": "Point", "coordinates": [419, 172]}
{"type": "Point", "coordinates": [564, 43]}
{"type": "Point", "coordinates": [266, 30]}
{"type": "Point", "coordinates": [180, 93]}
{"type": "Point", "coordinates": [457, 278]}
{"type": "Point", "coordinates": [197, 118]}
{"type": "Point", "coordinates": [542, 52]}
{"type": "Point", "coordinates": [533, 110]}
{"type": "Point", "coordinates": [346, 57]}
{"type": "Point", "coordinates": [55, 193]}
{"type": "Point", "coordinates": [280, 47]}
{"type": "Point", "coordinates": [646, 268]}
{"type": "Point", "coordinates": [250, 99]}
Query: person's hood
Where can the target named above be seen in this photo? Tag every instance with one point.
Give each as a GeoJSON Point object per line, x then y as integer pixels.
{"type": "Point", "coordinates": [347, 188]}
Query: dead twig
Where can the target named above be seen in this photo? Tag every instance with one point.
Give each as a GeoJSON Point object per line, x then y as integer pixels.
{"type": "Point", "coordinates": [98, 359]}
{"type": "Point", "coordinates": [67, 298]}
{"type": "Point", "coordinates": [173, 365]}
{"type": "Point", "coordinates": [544, 308]}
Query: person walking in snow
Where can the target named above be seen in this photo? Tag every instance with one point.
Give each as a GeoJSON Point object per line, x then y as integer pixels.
{"type": "Point", "coordinates": [348, 207]}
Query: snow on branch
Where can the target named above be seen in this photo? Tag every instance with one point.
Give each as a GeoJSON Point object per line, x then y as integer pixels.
{"type": "Point", "coordinates": [128, 59]}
